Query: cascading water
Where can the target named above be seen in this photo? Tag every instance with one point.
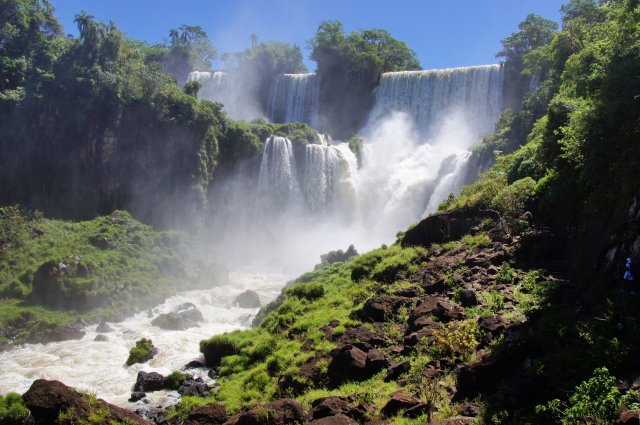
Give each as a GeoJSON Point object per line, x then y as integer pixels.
{"type": "Point", "coordinates": [294, 97]}
{"type": "Point", "coordinates": [278, 183]}
{"type": "Point", "coordinates": [235, 92]}
{"type": "Point", "coordinates": [417, 140]}
{"type": "Point", "coordinates": [474, 93]}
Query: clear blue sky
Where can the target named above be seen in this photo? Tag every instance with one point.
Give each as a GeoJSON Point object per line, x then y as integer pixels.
{"type": "Point", "coordinates": [443, 33]}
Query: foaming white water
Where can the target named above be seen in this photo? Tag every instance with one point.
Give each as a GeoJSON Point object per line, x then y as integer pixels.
{"type": "Point", "coordinates": [294, 97]}
{"type": "Point", "coordinates": [278, 185]}
{"type": "Point", "coordinates": [99, 367]}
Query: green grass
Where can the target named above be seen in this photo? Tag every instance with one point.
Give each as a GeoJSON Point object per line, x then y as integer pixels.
{"type": "Point", "coordinates": [57, 272]}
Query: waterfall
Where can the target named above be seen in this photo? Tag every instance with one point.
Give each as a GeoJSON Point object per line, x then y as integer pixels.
{"type": "Point", "coordinates": [214, 84]}
{"type": "Point", "coordinates": [294, 97]}
{"type": "Point", "coordinates": [278, 183]}
{"type": "Point", "coordinates": [429, 97]}
{"type": "Point", "coordinates": [320, 166]}
{"type": "Point", "coordinates": [236, 92]}
{"type": "Point", "coordinates": [450, 180]}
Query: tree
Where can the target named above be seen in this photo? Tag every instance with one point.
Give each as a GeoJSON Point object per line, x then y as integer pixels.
{"type": "Point", "coordinates": [350, 67]}
{"type": "Point", "coordinates": [535, 31]}
{"type": "Point", "coordinates": [254, 39]}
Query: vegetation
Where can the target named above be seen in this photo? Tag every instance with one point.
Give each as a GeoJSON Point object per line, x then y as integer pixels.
{"type": "Point", "coordinates": [54, 272]}
{"type": "Point", "coordinates": [12, 409]}
{"type": "Point", "coordinates": [142, 352]}
{"type": "Point", "coordinates": [349, 66]}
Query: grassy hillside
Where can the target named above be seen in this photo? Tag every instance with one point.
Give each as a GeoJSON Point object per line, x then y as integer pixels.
{"type": "Point", "coordinates": [56, 272]}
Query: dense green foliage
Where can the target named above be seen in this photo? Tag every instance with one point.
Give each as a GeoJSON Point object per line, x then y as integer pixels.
{"type": "Point", "coordinates": [349, 66]}
{"type": "Point", "coordinates": [259, 65]}
{"type": "Point", "coordinates": [188, 50]}
{"type": "Point", "coordinates": [54, 272]}
{"type": "Point", "coordinates": [12, 409]}
{"type": "Point", "coordinates": [595, 401]}
{"type": "Point", "coordinates": [580, 156]}
{"type": "Point", "coordinates": [141, 353]}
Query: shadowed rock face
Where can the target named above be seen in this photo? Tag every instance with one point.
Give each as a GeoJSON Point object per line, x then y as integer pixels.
{"type": "Point", "coordinates": [47, 399]}
{"type": "Point", "coordinates": [445, 227]}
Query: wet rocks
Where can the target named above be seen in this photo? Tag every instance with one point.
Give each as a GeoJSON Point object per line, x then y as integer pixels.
{"type": "Point", "coordinates": [184, 317]}
{"type": "Point", "coordinates": [194, 387]}
{"type": "Point", "coordinates": [148, 381]}
{"type": "Point", "coordinates": [47, 399]}
{"type": "Point", "coordinates": [137, 395]}
{"type": "Point", "coordinates": [248, 299]}
{"type": "Point", "coordinates": [104, 328]}
{"type": "Point", "coordinates": [101, 338]}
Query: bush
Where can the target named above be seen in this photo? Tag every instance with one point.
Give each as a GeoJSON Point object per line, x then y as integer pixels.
{"type": "Point", "coordinates": [308, 291]}
{"type": "Point", "coordinates": [142, 352]}
{"type": "Point", "coordinates": [217, 347]}
{"type": "Point", "coordinates": [595, 401]}
{"type": "Point", "coordinates": [12, 409]}
{"type": "Point", "coordinates": [175, 379]}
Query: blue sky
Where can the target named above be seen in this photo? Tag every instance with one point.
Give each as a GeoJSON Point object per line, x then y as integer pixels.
{"type": "Point", "coordinates": [443, 33]}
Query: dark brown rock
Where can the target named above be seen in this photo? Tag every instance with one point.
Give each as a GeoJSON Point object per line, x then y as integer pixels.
{"type": "Point", "coordinates": [628, 417]}
{"type": "Point", "coordinates": [399, 402]}
{"type": "Point", "coordinates": [493, 324]}
{"type": "Point", "coordinates": [380, 309]}
{"type": "Point", "coordinates": [397, 370]}
{"type": "Point", "coordinates": [248, 299]}
{"type": "Point", "coordinates": [209, 414]}
{"type": "Point", "coordinates": [470, 410]}
{"type": "Point", "coordinates": [445, 226]}
{"type": "Point", "coordinates": [458, 420]}
{"type": "Point", "coordinates": [375, 362]}
{"type": "Point", "coordinates": [468, 298]}
{"type": "Point", "coordinates": [148, 382]}
{"type": "Point", "coordinates": [47, 399]}
{"type": "Point", "coordinates": [334, 420]}
{"type": "Point", "coordinates": [279, 412]}
{"type": "Point", "coordinates": [348, 363]}
{"type": "Point", "coordinates": [439, 307]}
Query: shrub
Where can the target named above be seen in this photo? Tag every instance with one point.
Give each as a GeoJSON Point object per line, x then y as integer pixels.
{"type": "Point", "coordinates": [142, 352]}
{"type": "Point", "coordinates": [308, 291]}
{"type": "Point", "coordinates": [175, 379]}
{"type": "Point", "coordinates": [460, 339]}
{"type": "Point", "coordinates": [12, 409]}
{"type": "Point", "coordinates": [505, 276]}
{"type": "Point", "coordinates": [217, 347]}
{"type": "Point", "coordinates": [595, 401]}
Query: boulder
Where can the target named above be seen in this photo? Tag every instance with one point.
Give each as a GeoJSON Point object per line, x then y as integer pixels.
{"type": "Point", "coordinates": [468, 298]}
{"type": "Point", "coordinates": [248, 299]}
{"type": "Point", "coordinates": [380, 309]}
{"type": "Point", "coordinates": [194, 387]}
{"type": "Point", "coordinates": [375, 362]}
{"type": "Point", "coordinates": [173, 322]}
{"type": "Point", "coordinates": [279, 412]}
{"type": "Point", "coordinates": [398, 402]}
{"type": "Point", "coordinates": [397, 369]}
{"type": "Point", "coordinates": [101, 338]}
{"type": "Point", "coordinates": [47, 399]}
{"type": "Point", "coordinates": [439, 307]}
{"type": "Point", "coordinates": [209, 414]}
{"type": "Point", "coordinates": [148, 382]}
{"type": "Point", "coordinates": [493, 324]}
{"type": "Point", "coordinates": [104, 328]}
{"type": "Point", "coordinates": [334, 420]}
{"type": "Point", "coordinates": [470, 410]}
{"type": "Point", "coordinates": [137, 395]}
{"type": "Point", "coordinates": [333, 406]}
{"type": "Point", "coordinates": [347, 363]}
{"type": "Point", "coordinates": [446, 226]}
{"type": "Point", "coordinates": [193, 364]}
